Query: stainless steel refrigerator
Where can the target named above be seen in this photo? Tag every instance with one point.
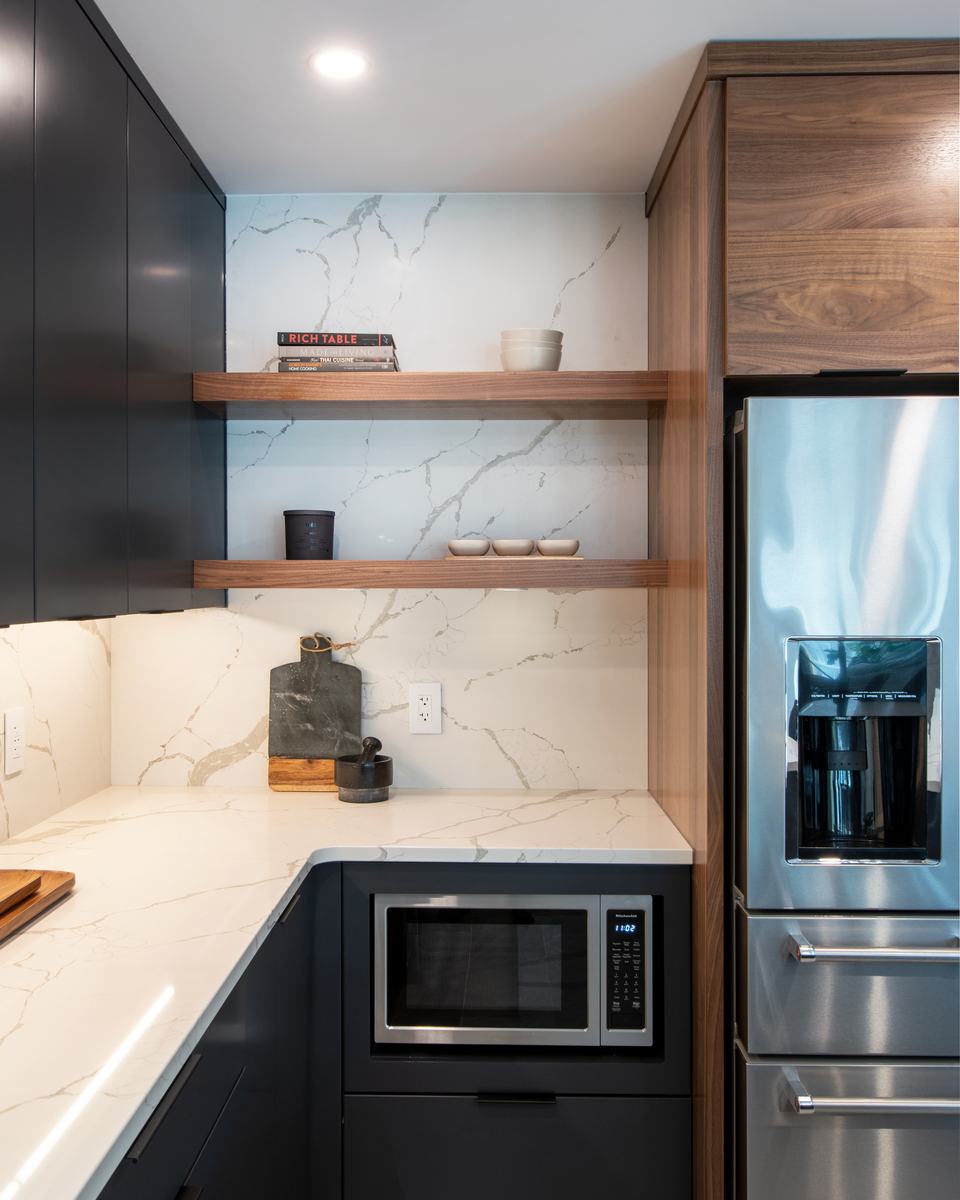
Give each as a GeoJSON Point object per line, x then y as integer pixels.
{"type": "Point", "coordinates": [843, 657]}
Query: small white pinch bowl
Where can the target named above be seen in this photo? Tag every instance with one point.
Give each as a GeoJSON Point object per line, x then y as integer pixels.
{"type": "Point", "coordinates": [530, 358]}
{"type": "Point", "coordinates": [534, 335]}
{"type": "Point", "coordinates": [558, 547]}
{"type": "Point", "coordinates": [513, 547]}
{"type": "Point", "coordinates": [468, 546]}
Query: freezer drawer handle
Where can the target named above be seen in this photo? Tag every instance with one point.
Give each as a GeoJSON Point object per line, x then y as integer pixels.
{"type": "Point", "coordinates": [804, 1104]}
{"type": "Point", "coordinates": [803, 952]}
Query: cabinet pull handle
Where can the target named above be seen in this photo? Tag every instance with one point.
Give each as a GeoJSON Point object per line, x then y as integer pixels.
{"type": "Point", "coordinates": [516, 1098]}
{"type": "Point", "coordinates": [189, 1193]}
{"type": "Point", "coordinates": [800, 949]}
{"type": "Point", "coordinates": [802, 1103]}
{"type": "Point", "coordinates": [288, 910]}
{"type": "Point", "coordinates": [135, 1153]}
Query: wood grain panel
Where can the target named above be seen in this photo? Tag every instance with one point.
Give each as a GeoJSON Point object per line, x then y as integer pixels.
{"type": "Point", "coordinates": [726, 60]}
{"type": "Point", "coordinates": [842, 210]}
{"type": "Point", "coordinates": [530, 572]}
{"type": "Point", "coordinates": [301, 774]}
{"type": "Point", "coordinates": [843, 153]}
{"type": "Point", "coordinates": [686, 507]}
{"type": "Point", "coordinates": [16, 885]}
{"type": "Point", "coordinates": [54, 885]}
{"type": "Point", "coordinates": [434, 395]}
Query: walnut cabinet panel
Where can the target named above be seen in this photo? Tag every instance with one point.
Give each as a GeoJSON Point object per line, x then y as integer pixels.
{"type": "Point", "coordinates": [842, 214]}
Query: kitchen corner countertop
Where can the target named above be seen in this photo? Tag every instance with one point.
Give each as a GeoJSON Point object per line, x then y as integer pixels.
{"type": "Point", "coordinates": [103, 997]}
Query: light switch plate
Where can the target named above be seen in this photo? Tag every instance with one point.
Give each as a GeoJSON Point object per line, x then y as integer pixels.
{"type": "Point", "coordinates": [13, 748]}
{"type": "Point", "coordinates": [425, 716]}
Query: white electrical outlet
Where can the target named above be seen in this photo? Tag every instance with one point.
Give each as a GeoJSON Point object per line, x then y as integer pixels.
{"type": "Point", "coordinates": [425, 714]}
{"type": "Point", "coordinates": [13, 758]}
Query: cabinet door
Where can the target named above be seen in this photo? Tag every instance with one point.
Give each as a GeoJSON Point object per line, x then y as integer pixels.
{"type": "Point", "coordinates": [159, 349]}
{"type": "Point", "coordinates": [842, 223]}
{"type": "Point", "coordinates": [207, 318]}
{"type": "Point", "coordinates": [238, 1126]}
{"type": "Point", "coordinates": [81, 319]}
{"type": "Point", "coordinates": [16, 313]}
{"type": "Point", "coordinates": [440, 1147]}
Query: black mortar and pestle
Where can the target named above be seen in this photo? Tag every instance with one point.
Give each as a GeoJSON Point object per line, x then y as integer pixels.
{"type": "Point", "coordinates": [364, 778]}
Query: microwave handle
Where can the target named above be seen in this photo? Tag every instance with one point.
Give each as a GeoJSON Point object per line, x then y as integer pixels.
{"type": "Point", "coordinates": [802, 1103]}
{"type": "Point", "coordinates": [800, 949]}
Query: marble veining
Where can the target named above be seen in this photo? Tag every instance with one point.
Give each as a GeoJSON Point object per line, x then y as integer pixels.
{"type": "Point", "coordinates": [59, 673]}
{"type": "Point", "coordinates": [103, 998]}
{"type": "Point", "coordinates": [403, 489]}
{"type": "Point", "coordinates": [539, 687]}
{"type": "Point", "coordinates": [443, 273]}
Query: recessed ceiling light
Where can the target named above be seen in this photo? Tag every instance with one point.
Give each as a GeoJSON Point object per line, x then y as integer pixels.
{"type": "Point", "coordinates": [339, 64]}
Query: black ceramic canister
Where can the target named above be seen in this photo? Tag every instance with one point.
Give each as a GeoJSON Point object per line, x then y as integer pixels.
{"type": "Point", "coordinates": [309, 532]}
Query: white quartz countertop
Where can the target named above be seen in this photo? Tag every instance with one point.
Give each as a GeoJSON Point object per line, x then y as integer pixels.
{"type": "Point", "coordinates": [104, 996]}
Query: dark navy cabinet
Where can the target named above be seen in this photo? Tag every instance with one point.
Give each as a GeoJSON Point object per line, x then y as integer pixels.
{"type": "Point", "coordinates": [112, 295]}
{"type": "Point", "coordinates": [235, 1123]}
{"type": "Point", "coordinates": [16, 313]}
{"type": "Point", "coordinates": [80, 332]}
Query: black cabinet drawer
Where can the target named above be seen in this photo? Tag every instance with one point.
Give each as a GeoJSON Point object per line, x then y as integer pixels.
{"type": "Point", "coordinates": [162, 1164]}
{"type": "Point", "coordinates": [437, 1147]}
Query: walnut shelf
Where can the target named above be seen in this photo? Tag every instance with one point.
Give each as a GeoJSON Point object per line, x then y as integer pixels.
{"type": "Point", "coordinates": [431, 573]}
{"type": "Point", "coordinates": [434, 395]}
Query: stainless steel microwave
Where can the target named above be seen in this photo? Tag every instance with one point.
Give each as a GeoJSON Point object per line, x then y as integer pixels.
{"type": "Point", "coordinates": [514, 970]}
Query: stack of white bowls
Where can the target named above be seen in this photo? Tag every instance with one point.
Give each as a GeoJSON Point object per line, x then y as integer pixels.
{"type": "Point", "coordinates": [531, 349]}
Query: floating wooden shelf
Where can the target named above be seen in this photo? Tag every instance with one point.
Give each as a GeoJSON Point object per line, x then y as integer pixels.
{"type": "Point", "coordinates": [431, 573]}
{"type": "Point", "coordinates": [433, 395]}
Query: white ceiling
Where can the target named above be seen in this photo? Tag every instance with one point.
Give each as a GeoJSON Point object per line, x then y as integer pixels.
{"type": "Point", "coordinates": [463, 95]}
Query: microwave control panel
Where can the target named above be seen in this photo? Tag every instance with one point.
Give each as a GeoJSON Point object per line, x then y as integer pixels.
{"type": "Point", "coordinates": [627, 976]}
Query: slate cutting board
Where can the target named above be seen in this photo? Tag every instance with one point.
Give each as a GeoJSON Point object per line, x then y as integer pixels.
{"type": "Point", "coordinates": [314, 718]}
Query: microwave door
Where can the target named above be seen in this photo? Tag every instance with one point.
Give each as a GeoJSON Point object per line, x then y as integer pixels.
{"type": "Point", "coordinates": [487, 970]}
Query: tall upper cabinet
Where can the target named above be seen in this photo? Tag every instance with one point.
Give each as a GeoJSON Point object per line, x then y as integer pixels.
{"type": "Point", "coordinates": [111, 480]}
{"type": "Point", "coordinates": [803, 217]}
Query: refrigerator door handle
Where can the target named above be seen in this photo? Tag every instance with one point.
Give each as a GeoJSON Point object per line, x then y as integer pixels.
{"type": "Point", "coordinates": [796, 1097]}
{"type": "Point", "coordinates": [800, 949]}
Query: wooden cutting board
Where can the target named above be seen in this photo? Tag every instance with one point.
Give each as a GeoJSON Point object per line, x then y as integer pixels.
{"type": "Point", "coordinates": [53, 885]}
{"type": "Point", "coordinates": [15, 886]}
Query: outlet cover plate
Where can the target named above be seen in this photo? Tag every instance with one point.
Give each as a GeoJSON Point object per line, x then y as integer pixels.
{"type": "Point", "coordinates": [13, 736]}
{"type": "Point", "coordinates": [425, 715]}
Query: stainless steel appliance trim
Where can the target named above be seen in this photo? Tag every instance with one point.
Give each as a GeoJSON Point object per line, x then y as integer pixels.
{"type": "Point", "coordinates": [801, 950]}
{"type": "Point", "coordinates": [852, 1006]}
{"type": "Point", "coordinates": [871, 1155]}
{"type": "Point", "coordinates": [797, 1097]}
{"type": "Point", "coordinates": [934, 739]}
{"type": "Point", "coordinates": [846, 526]}
{"type": "Point", "coordinates": [628, 1037]}
{"type": "Point", "coordinates": [453, 1035]}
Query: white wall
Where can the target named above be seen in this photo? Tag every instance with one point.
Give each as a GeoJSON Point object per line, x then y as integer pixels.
{"type": "Point", "coordinates": [539, 687]}
{"type": "Point", "coordinates": [59, 673]}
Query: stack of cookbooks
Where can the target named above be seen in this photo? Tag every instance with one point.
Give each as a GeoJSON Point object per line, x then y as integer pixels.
{"type": "Point", "coordinates": [337, 352]}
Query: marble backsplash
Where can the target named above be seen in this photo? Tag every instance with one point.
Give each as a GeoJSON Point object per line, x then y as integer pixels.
{"type": "Point", "coordinates": [402, 489]}
{"type": "Point", "coordinates": [444, 274]}
{"type": "Point", "coordinates": [59, 673]}
{"type": "Point", "coordinates": [540, 688]}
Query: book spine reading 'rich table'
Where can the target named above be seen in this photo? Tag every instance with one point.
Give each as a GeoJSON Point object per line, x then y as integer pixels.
{"type": "Point", "coordinates": [322, 340]}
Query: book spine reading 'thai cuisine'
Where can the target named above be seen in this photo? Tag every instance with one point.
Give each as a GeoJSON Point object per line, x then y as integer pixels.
{"type": "Point", "coordinates": [333, 359]}
{"type": "Point", "coordinates": [335, 339]}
